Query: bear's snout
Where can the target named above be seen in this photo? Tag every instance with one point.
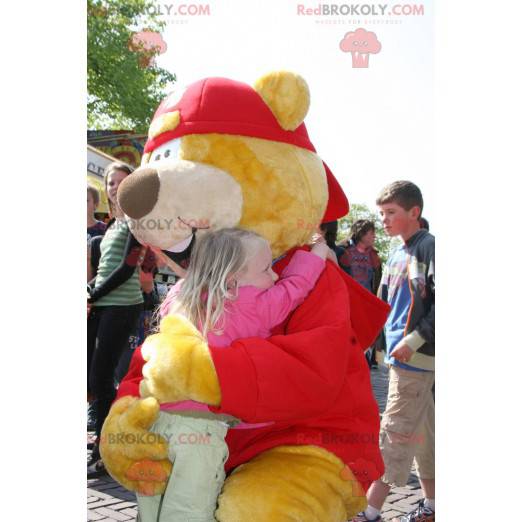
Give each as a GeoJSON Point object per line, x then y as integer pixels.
{"type": "Point", "coordinates": [138, 193]}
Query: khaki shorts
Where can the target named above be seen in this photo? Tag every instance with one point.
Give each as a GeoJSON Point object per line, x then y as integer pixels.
{"type": "Point", "coordinates": [408, 426]}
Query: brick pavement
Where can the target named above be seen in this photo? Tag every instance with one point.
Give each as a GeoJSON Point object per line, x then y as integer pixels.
{"type": "Point", "coordinates": [400, 500]}
{"type": "Point", "coordinates": [109, 502]}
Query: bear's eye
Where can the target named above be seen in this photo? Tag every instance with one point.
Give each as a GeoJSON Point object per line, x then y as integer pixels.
{"type": "Point", "coordinates": [157, 157]}
{"type": "Point", "coordinates": [167, 153]}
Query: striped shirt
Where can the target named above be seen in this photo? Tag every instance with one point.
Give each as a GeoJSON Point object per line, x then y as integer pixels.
{"type": "Point", "coordinates": [112, 250]}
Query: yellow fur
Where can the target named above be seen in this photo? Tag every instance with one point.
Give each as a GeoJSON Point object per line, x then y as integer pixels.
{"type": "Point", "coordinates": [291, 483]}
{"type": "Point", "coordinates": [179, 345]}
{"type": "Point", "coordinates": [284, 195]}
{"type": "Point", "coordinates": [145, 158]}
{"type": "Point", "coordinates": [125, 439]}
{"type": "Point", "coordinates": [287, 95]}
{"type": "Point", "coordinates": [292, 181]}
{"type": "Point", "coordinates": [164, 123]}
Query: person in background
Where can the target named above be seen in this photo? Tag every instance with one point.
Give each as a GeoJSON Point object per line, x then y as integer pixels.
{"type": "Point", "coordinates": [424, 223]}
{"type": "Point", "coordinates": [114, 304]}
{"type": "Point", "coordinates": [94, 227]}
{"type": "Point", "coordinates": [93, 256]}
{"type": "Point", "coordinates": [95, 231]}
{"type": "Point", "coordinates": [408, 423]}
{"type": "Point", "coordinates": [93, 260]}
{"type": "Point", "coordinates": [148, 268]}
{"type": "Point", "coordinates": [329, 232]}
{"type": "Point", "coordinates": [361, 261]}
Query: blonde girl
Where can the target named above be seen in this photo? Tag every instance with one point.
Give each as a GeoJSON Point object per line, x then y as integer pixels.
{"type": "Point", "coordinates": [230, 292]}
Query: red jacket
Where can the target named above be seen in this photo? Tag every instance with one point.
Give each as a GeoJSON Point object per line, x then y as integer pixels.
{"type": "Point", "coordinates": [311, 378]}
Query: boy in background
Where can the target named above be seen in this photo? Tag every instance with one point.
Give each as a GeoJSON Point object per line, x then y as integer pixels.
{"type": "Point", "coordinates": [94, 227]}
{"type": "Point", "coordinates": [408, 423]}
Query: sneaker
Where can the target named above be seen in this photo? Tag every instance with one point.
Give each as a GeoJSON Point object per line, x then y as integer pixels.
{"type": "Point", "coordinates": [95, 455]}
{"type": "Point", "coordinates": [96, 469]}
{"type": "Point", "coordinates": [91, 417]}
{"type": "Point", "coordinates": [419, 514]}
{"type": "Point", "coordinates": [361, 517]}
{"type": "Point", "coordinates": [91, 441]}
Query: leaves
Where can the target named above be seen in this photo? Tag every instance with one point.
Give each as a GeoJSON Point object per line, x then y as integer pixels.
{"type": "Point", "coordinates": [122, 93]}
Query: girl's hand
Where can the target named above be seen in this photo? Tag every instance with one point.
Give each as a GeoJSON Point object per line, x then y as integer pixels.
{"type": "Point", "coordinates": [320, 249]}
{"type": "Point", "coordinates": [317, 238]}
{"type": "Point", "coordinates": [332, 257]}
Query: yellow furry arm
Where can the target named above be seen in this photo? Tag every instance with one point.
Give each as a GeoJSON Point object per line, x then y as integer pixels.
{"type": "Point", "coordinates": [179, 365]}
{"type": "Point", "coordinates": [134, 456]}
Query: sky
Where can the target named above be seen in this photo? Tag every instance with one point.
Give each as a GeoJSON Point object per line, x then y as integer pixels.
{"type": "Point", "coordinates": [371, 125]}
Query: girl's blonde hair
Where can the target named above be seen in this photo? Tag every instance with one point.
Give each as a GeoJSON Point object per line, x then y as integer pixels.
{"type": "Point", "coordinates": [217, 257]}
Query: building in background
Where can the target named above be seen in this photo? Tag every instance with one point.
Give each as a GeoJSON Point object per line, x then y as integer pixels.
{"type": "Point", "coordinates": [97, 161]}
{"type": "Point", "coordinates": [123, 145]}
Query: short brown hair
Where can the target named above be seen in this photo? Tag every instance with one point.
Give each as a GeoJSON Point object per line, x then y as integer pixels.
{"type": "Point", "coordinates": [330, 232]}
{"type": "Point", "coordinates": [94, 194]}
{"type": "Point", "coordinates": [360, 228]}
{"type": "Point", "coordinates": [404, 193]}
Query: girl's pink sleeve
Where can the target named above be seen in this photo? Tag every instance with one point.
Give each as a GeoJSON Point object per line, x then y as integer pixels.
{"type": "Point", "coordinates": [296, 282]}
{"type": "Point", "coordinates": [170, 298]}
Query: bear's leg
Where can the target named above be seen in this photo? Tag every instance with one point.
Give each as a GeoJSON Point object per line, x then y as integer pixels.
{"type": "Point", "coordinates": [291, 483]}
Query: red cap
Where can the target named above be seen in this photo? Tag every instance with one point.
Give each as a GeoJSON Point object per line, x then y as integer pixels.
{"type": "Point", "coordinates": [225, 106]}
{"type": "Point", "coordinates": [338, 205]}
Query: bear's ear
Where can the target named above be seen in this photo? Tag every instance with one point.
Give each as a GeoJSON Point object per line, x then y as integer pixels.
{"type": "Point", "coordinates": [287, 95]}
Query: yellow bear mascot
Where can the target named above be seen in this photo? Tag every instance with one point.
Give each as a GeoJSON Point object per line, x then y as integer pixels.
{"type": "Point", "coordinates": [225, 154]}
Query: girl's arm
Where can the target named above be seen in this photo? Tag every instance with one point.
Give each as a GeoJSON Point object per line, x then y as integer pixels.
{"type": "Point", "coordinates": [291, 376]}
{"type": "Point", "coordinates": [296, 282]}
{"type": "Point", "coordinates": [301, 373]}
{"type": "Point", "coordinates": [163, 258]}
{"type": "Point", "coordinates": [94, 259]}
{"type": "Point", "coordinates": [147, 270]}
{"type": "Point", "coordinates": [123, 272]}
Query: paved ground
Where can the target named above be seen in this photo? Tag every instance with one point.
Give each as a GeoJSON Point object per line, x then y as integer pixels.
{"type": "Point", "coordinates": [400, 500]}
{"type": "Point", "coordinates": [109, 502]}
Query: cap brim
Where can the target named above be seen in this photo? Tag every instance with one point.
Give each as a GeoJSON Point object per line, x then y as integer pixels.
{"type": "Point", "coordinates": [338, 205]}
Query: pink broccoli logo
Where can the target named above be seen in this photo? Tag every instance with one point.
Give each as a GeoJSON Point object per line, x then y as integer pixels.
{"type": "Point", "coordinates": [147, 44]}
{"type": "Point", "coordinates": [360, 43]}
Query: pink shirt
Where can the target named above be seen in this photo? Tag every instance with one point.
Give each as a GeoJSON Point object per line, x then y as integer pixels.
{"type": "Point", "coordinates": [255, 312]}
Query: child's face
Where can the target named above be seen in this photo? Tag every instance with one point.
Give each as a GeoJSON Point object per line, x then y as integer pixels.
{"type": "Point", "coordinates": [368, 240]}
{"type": "Point", "coordinates": [113, 182]}
{"type": "Point", "coordinates": [259, 271]}
{"type": "Point", "coordinates": [396, 220]}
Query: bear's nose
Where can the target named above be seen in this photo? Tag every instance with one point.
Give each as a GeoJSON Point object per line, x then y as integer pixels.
{"type": "Point", "coordinates": [138, 193]}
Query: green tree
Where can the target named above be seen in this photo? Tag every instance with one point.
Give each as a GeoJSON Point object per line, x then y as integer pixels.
{"type": "Point", "coordinates": [124, 86]}
{"type": "Point", "coordinates": [383, 243]}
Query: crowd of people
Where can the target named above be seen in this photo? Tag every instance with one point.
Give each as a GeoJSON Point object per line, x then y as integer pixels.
{"type": "Point", "coordinates": [229, 291]}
